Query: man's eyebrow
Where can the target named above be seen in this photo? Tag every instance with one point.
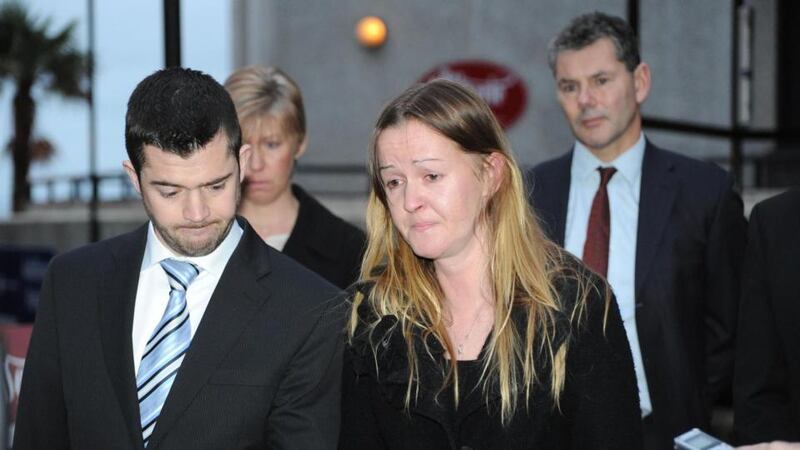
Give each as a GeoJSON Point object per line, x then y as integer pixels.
{"type": "Point", "coordinates": [218, 180]}
{"type": "Point", "coordinates": [174, 185]}
{"type": "Point", "coordinates": [594, 75]}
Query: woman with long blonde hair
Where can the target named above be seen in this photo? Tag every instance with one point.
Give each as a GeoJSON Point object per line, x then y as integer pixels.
{"type": "Point", "coordinates": [469, 329]}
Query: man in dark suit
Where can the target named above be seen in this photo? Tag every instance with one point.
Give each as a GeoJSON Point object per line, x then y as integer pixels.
{"type": "Point", "coordinates": [767, 381]}
{"type": "Point", "coordinates": [667, 231]}
{"type": "Point", "coordinates": [188, 332]}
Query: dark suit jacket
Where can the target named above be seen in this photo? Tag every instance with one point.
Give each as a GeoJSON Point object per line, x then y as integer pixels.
{"type": "Point", "coordinates": [690, 243]}
{"type": "Point", "coordinates": [262, 371]}
{"type": "Point", "coordinates": [767, 382]}
{"type": "Point", "coordinates": [599, 406]}
{"type": "Point", "coordinates": [325, 243]}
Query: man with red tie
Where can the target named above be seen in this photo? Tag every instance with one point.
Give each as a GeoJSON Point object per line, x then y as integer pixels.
{"type": "Point", "coordinates": [667, 231]}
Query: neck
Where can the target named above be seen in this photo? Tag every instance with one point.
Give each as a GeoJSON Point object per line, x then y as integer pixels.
{"type": "Point", "coordinates": [465, 283]}
{"type": "Point", "coordinates": [276, 217]}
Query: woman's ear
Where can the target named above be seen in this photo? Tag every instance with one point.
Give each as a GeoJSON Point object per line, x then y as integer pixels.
{"type": "Point", "coordinates": [494, 172]}
{"type": "Point", "coordinates": [302, 147]}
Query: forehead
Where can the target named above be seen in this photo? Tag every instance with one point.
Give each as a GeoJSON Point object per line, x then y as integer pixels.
{"type": "Point", "coordinates": [267, 124]}
{"type": "Point", "coordinates": [599, 56]}
{"type": "Point", "coordinates": [207, 163]}
{"type": "Point", "coordinates": [412, 140]}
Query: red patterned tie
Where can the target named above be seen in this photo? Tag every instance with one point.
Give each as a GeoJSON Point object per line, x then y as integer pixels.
{"type": "Point", "coordinates": [595, 249]}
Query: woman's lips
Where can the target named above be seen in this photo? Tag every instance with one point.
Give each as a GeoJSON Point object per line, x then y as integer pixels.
{"type": "Point", "coordinates": [422, 226]}
{"type": "Point", "coordinates": [257, 184]}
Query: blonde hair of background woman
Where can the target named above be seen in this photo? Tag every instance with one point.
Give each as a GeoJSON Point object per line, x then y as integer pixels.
{"type": "Point", "coordinates": [260, 92]}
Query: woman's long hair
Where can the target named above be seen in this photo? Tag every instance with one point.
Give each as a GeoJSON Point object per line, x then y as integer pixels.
{"type": "Point", "coordinates": [523, 264]}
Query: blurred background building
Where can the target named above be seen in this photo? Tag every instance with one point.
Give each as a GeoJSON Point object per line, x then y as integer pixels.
{"type": "Point", "coordinates": [721, 90]}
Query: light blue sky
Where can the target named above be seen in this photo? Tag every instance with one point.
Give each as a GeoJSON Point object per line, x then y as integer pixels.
{"type": "Point", "coordinates": [129, 46]}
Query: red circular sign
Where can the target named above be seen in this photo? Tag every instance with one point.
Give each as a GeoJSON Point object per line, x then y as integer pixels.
{"type": "Point", "coordinates": [499, 86]}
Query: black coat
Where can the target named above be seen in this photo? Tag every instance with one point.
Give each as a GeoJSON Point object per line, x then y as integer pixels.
{"type": "Point", "coordinates": [599, 403]}
{"type": "Point", "coordinates": [767, 382]}
{"type": "Point", "coordinates": [262, 370]}
{"type": "Point", "coordinates": [325, 243]}
{"type": "Point", "coordinates": [689, 250]}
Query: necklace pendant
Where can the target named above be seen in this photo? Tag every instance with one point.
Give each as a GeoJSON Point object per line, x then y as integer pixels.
{"type": "Point", "coordinates": [460, 349]}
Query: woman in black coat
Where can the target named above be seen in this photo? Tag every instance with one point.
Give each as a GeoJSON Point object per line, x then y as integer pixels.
{"type": "Point", "coordinates": [272, 118]}
{"type": "Point", "coordinates": [472, 330]}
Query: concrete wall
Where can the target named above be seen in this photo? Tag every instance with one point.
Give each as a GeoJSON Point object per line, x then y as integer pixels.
{"type": "Point", "coordinates": [687, 44]}
{"type": "Point", "coordinates": [345, 86]}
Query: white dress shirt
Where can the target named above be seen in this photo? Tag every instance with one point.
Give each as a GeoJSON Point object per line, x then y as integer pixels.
{"type": "Point", "coordinates": [277, 241]}
{"type": "Point", "coordinates": [623, 200]}
{"type": "Point", "coordinates": [152, 294]}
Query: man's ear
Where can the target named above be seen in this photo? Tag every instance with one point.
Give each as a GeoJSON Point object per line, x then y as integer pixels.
{"type": "Point", "coordinates": [494, 170]}
{"type": "Point", "coordinates": [641, 82]}
{"type": "Point", "coordinates": [128, 167]}
{"type": "Point", "coordinates": [244, 157]}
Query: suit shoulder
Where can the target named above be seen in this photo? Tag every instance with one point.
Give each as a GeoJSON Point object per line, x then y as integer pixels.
{"type": "Point", "coordinates": [297, 278]}
{"type": "Point", "coordinates": [778, 215]}
{"type": "Point", "coordinates": [545, 175]}
{"type": "Point", "coordinates": [550, 166]}
{"type": "Point", "coordinates": [778, 205]}
{"type": "Point", "coordinates": [695, 170]}
{"type": "Point", "coordinates": [94, 255]}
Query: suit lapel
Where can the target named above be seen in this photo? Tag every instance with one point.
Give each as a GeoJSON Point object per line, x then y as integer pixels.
{"type": "Point", "coordinates": [551, 196]}
{"type": "Point", "coordinates": [235, 301]}
{"type": "Point", "coordinates": [658, 189]}
{"type": "Point", "coordinates": [116, 303]}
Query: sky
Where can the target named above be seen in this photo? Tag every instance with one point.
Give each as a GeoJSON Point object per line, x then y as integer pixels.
{"type": "Point", "coordinates": [129, 45]}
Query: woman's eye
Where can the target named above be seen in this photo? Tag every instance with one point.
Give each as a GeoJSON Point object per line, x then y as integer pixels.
{"type": "Point", "coordinates": [432, 176]}
{"type": "Point", "coordinates": [391, 184]}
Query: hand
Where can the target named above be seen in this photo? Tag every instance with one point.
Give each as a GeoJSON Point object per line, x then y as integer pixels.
{"type": "Point", "coordinates": [775, 445]}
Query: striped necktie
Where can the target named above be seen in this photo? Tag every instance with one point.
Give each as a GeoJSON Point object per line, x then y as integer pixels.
{"type": "Point", "coordinates": [166, 347]}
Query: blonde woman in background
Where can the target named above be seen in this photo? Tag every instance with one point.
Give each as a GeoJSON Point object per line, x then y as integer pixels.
{"type": "Point", "coordinates": [469, 329]}
{"type": "Point", "coordinates": [272, 118]}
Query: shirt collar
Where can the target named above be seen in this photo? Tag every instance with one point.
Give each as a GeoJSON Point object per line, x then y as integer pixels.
{"type": "Point", "coordinates": [628, 164]}
{"type": "Point", "coordinates": [155, 251]}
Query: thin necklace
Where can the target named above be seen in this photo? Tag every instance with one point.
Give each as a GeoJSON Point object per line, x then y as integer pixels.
{"type": "Point", "coordinates": [460, 347]}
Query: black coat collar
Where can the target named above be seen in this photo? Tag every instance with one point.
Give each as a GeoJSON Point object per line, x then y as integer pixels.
{"type": "Point", "coordinates": [382, 354]}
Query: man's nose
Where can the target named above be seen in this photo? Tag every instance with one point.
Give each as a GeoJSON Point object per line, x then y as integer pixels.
{"type": "Point", "coordinates": [586, 96]}
{"type": "Point", "coordinates": [195, 209]}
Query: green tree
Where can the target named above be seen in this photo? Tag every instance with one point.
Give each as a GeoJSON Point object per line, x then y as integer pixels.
{"type": "Point", "coordinates": [31, 55]}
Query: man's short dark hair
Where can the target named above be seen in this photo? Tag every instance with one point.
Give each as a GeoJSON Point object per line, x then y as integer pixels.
{"type": "Point", "coordinates": [586, 29]}
{"type": "Point", "coordinates": [179, 111]}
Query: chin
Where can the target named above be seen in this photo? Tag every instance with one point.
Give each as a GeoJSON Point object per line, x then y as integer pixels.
{"type": "Point", "coordinates": [424, 251]}
{"type": "Point", "coordinates": [260, 197]}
